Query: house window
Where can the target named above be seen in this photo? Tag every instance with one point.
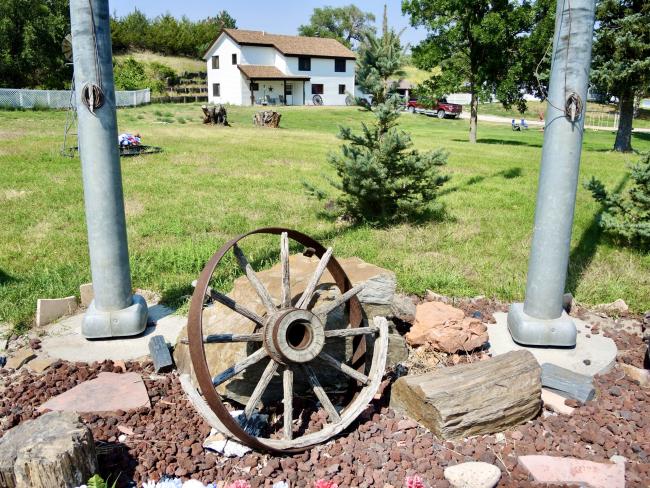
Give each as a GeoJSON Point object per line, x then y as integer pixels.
{"type": "Point", "coordinates": [304, 63]}
{"type": "Point", "coordinates": [255, 86]}
{"type": "Point", "coordinates": [216, 89]}
{"type": "Point", "coordinates": [289, 89]}
{"type": "Point", "coordinates": [215, 62]}
{"type": "Point", "coordinates": [317, 89]}
{"type": "Point", "coordinates": [234, 58]}
{"type": "Point", "coordinates": [341, 89]}
{"type": "Point", "coordinates": [339, 65]}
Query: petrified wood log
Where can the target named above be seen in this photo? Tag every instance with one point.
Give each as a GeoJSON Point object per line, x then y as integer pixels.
{"type": "Point", "coordinates": [56, 449]}
{"type": "Point", "coordinates": [267, 118]}
{"type": "Point", "coordinates": [215, 115]}
{"type": "Point", "coordinates": [480, 398]}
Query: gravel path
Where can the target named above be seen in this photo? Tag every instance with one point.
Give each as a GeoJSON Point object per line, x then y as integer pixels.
{"type": "Point", "coordinates": [380, 449]}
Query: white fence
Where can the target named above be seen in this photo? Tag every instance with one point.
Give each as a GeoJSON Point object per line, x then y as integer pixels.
{"type": "Point", "coordinates": [19, 98]}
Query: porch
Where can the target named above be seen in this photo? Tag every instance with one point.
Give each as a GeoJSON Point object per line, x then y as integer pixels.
{"type": "Point", "coordinates": [267, 85]}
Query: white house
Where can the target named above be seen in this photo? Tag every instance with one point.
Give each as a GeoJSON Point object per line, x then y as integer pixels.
{"type": "Point", "coordinates": [254, 67]}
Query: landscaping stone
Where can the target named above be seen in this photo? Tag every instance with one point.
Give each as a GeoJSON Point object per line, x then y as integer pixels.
{"type": "Point", "coordinates": [55, 450]}
{"type": "Point", "coordinates": [470, 399]}
{"type": "Point", "coordinates": [446, 328]}
{"type": "Point", "coordinates": [87, 294]}
{"type": "Point", "coordinates": [559, 470]}
{"type": "Point", "coordinates": [473, 475]}
{"type": "Point", "coordinates": [637, 374]}
{"type": "Point", "coordinates": [555, 402]}
{"type": "Point", "coordinates": [50, 309]}
{"type": "Point", "coordinates": [41, 363]}
{"type": "Point", "coordinates": [616, 307]}
{"type": "Point", "coordinates": [20, 357]}
{"type": "Point", "coordinates": [109, 392]}
{"type": "Point", "coordinates": [593, 354]}
{"type": "Point", "coordinates": [403, 307]}
{"type": "Point", "coordinates": [63, 340]}
{"type": "Point", "coordinates": [376, 300]}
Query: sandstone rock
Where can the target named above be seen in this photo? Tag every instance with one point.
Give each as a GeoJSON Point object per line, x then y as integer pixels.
{"type": "Point", "coordinates": [555, 402]}
{"type": "Point", "coordinates": [41, 363]}
{"type": "Point", "coordinates": [86, 293]}
{"type": "Point", "coordinates": [554, 470]}
{"type": "Point", "coordinates": [637, 374]}
{"type": "Point", "coordinates": [376, 300]}
{"type": "Point", "coordinates": [473, 475]}
{"type": "Point", "coordinates": [20, 357]}
{"type": "Point", "coordinates": [109, 392]}
{"type": "Point", "coordinates": [403, 307]}
{"type": "Point", "coordinates": [616, 307]}
{"type": "Point", "coordinates": [446, 328]}
{"type": "Point", "coordinates": [54, 450]}
{"type": "Point", "coordinates": [397, 350]}
{"type": "Point", "coordinates": [480, 398]}
{"type": "Point", "coordinates": [48, 310]}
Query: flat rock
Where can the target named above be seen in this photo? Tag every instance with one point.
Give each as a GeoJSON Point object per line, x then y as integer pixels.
{"type": "Point", "coordinates": [41, 363]}
{"type": "Point", "coordinates": [473, 475]}
{"type": "Point", "coordinates": [636, 374]}
{"type": "Point", "coordinates": [63, 340]}
{"type": "Point", "coordinates": [50, 309]}
{"type": "Point", "coordinates": [592, 355]}
{"type": "Point", "coordinates": [555, 402]}
{"type": "Point", "coordinates": [20, 357]}
{"type": "Point", "coordinates": [86, 294]}
{"type": "Point", "coordinates": [446, 328]}
{"type": "Point", "coordinates": [108, 392]}
{"type": "Point", "coordinates": [559, 470]}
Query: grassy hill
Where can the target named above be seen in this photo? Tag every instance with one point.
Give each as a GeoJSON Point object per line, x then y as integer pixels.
{"type": "Point", "coordinates": [179, 64]}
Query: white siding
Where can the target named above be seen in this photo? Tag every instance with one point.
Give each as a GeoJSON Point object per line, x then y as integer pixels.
{"type": "Point", "coordinates": [228, 75]}
{"type": "Point", "coordinates": [258, 55]}
{"type": "Point", "coordinates": [322, 72]}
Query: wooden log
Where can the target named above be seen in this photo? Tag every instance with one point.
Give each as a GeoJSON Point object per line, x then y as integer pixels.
{"type": "Point", "coordinates": [267, 118]}
{"type": "Point", "coordinates": [470, 399]}
{"type": "Point", "coordinates": [567, 383]}
{"type": "Point", "coordinates": [56, 449]}
{"type": "Point", "coordinates": [162, 359]}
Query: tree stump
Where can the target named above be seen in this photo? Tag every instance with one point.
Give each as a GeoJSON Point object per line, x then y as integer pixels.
{"type": "Point", "coordinates": [56, 449]}
{"type": "Point", "coordinates": [480, 398]}
{"type": "Point", "coordinates": [267, 118]}
{"type": "Point", "coordinates": [215, 115]}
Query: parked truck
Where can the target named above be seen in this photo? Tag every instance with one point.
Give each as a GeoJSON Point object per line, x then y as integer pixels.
{"type": "Point", "coordinates": [441, 108]}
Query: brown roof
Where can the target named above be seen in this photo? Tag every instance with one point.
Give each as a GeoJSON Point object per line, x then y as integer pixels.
{"type": "Point", "coordinates": [293, 45]}
{"type": "Point", "coordinates": [260, 72]}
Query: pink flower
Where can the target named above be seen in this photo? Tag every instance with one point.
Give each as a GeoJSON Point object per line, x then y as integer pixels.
{"type": "Point", "coordinates": [325, 484]}
{"type": "Point", "coordinates": [239, 484]}
{"type": "Point", "coordinates": [414, 482]}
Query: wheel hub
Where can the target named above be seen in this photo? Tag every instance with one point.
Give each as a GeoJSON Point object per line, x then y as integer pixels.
{"type": "Point", "coordinates": [294, 336]}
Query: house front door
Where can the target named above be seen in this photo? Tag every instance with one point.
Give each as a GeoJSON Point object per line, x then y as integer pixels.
{"type": "Point", "coordinates": [289, 94]}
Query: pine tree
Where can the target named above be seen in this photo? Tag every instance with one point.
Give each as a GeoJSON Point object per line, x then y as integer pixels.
{"type": "Point", "coordinates": [382, 178]}
{"type": "Point", "coordinates": [627, 216]}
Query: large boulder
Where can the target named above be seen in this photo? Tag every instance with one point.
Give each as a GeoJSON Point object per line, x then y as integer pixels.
{"type": "Point", "coordinates": [376, 300]}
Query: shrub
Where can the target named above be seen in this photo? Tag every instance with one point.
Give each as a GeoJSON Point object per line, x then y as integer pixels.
{"type": "Point", "coordinates": [627, 215]}
{"type": "Point", "coordinates": [382, 178]}
{"type": "Point", "coordinates": [130, 75]}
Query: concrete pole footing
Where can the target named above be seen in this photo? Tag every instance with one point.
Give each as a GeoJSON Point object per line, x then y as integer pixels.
{"type": "Point", "coordinates": [128, 321]}
{"type": "Point", "coordinates": [531, 331]}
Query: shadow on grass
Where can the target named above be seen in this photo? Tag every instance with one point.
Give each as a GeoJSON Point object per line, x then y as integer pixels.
{"type": "Point", "coordinates": [5, 278]}
{"type": "Point", "coordinates": [508, 174]}
{"type": "Point", "coordinates": [583, 253]}
{"type": "Point", "coordinates": [502, 142]}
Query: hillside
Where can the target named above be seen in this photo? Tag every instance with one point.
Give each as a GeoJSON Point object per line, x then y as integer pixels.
{"type": "Point", "coordinates": [179, 64]}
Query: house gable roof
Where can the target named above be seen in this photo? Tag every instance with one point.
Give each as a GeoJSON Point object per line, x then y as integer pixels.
{"type": "Point", "coordinates": [289, 45]}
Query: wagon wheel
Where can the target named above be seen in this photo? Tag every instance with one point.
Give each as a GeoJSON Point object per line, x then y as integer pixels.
{"type": "Point", "coordinates": [291, 338]}
{"type": "Point", "coordinates": [317, 99]}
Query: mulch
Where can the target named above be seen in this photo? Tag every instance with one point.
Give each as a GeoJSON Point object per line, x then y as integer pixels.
{"type": "Point", "coordinates": [380, 448]}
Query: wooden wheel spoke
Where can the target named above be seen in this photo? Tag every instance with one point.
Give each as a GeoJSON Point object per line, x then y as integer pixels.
{"type": "Point", "coordinates": [287, 383]}
{"type": "Point", "coordinates": [240, 309]}
{"type": "Point", "coordinates": [344, 368]}
{"type": "Point", "coordinates": [321, 395]}
{"type": "Point", "coordinates": [313, 282]}
{"type": "Point", "coordinates": [255, 282]}
{"type": "Point", "coordinates": [351, 331]}
{"type": "Point", "coordinates": [284, 259]}
{"type": "Point", "coordinates": [237, 368]}
{"type": "Point", "coordinates": [341, 299]}
{"type": "Point", "coordinates": [260, 388]}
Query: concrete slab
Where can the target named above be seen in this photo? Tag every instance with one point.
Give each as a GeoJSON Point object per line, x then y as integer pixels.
{"type": "Point", "coordinates": [592, 355]}
{"type": "Point", "coordinates": [63, 340]}
{"type": "Point", "coordinates": [109, 392]}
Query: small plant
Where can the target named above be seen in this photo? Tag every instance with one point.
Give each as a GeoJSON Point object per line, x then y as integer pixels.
{"type": "Point", "coordinates": [180, 120]}
{"type": "Point", "coordinates": [627, 215]}
{"type": "Point", "coordinates": [98, 482]}
{"type": "Point", "coordinates": [382, 178]}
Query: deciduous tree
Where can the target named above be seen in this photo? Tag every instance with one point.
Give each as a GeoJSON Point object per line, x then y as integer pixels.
{"type": "Point", "coordinates": [347, 24]}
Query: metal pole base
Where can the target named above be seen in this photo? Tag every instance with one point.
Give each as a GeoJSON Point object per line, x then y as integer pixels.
{"type": "Point", "coordinates": [531, 331]}
{"type": "Point", "coordinates": [129, 321]}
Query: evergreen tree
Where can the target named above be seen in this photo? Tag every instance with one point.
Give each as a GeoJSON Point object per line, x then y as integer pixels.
{"type": "Point", "coordinates": [627, 216]}
{"type": "Point", "coordinates": [382, 178]}
{"type": "Point", "coordinates": [621, 60]}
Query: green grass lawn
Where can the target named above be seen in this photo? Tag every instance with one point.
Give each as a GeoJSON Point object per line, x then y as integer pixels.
{"type": "Point", "coordinates": [180, 64]}
{"type": "Point", "coordinates": [212, 183]}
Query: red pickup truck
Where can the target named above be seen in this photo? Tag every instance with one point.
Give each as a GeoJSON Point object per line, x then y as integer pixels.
{"type": "Point", "coordinates": [440, 109]}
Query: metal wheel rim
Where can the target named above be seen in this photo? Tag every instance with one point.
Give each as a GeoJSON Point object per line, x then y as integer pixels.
{"type": "Point", "coordinates": [204, 378]}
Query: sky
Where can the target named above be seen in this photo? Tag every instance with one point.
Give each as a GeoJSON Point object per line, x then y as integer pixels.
{"type": "Point", "coordinates": [282, 17]}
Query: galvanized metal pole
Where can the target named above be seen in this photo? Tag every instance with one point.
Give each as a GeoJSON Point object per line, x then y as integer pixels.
{"type": "Point", "coordinates": [115, 311]}
{"type": "Point", "coordinates": [541, 320]}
